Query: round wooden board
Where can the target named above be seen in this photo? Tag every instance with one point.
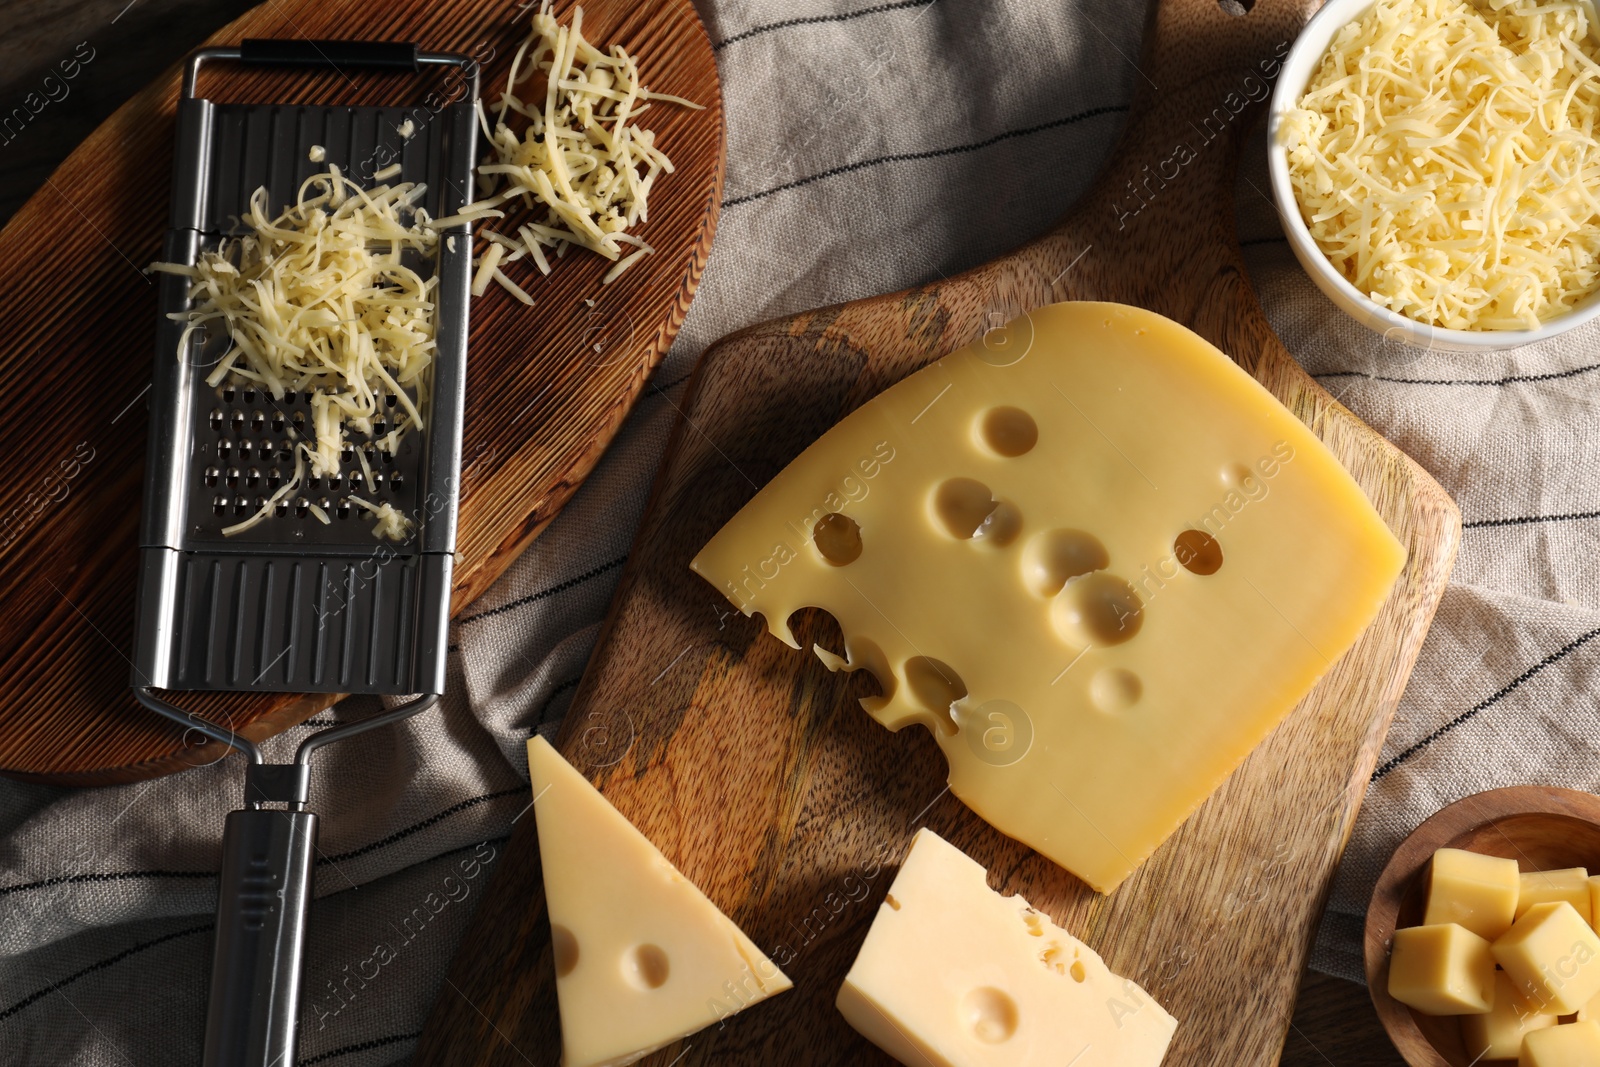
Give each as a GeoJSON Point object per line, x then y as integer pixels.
{"type": "Point", "coordinates": [79, 320]}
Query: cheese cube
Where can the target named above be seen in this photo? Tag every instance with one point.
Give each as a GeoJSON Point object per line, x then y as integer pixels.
{"type": "Point", "coordinates": [1594, 901]}
{"type": "Point", "coordinates": [1441, 970]}
{"type": "Point", "coordinates": [642, 957]}
{"type": "Point", "coordinates": [1543, 887]}
{"type": "Point", "coordinates": [1472, 890]}
{"type": "Point", "coordinates": [1094, 557]}
{"type": "Point", "coordinates": [954, 975]}
{"type": "Point", "coordinates": [1569, 1045]}
{"type": "Point", "coordinates": [1498, 1035]}
{"type": "Point", "coordinates": [1553, 956]}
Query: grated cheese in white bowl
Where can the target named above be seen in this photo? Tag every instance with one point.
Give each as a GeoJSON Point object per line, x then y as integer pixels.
{"type": "Point", "coordinates": [1443, 156]}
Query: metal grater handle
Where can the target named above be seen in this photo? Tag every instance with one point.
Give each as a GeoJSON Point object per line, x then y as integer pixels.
{"type": "Point", "coordinates": [285, 52]}
{"type": "Point", "coordinates": [251, 1020]}
{"type": "Point", "coordinates": [374, 55]}
{"type": "Point", "coordinates": [265, 893]}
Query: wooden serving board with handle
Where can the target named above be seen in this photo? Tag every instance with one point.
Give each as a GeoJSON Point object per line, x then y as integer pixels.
{"type": "Point", "coordinates": [547, 386]}
{"type": "Point", "coordinates": [755, 771]}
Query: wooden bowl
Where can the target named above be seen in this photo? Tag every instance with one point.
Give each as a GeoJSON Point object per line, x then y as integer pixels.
{"type": "Point", "coordinates": [1541, 827]}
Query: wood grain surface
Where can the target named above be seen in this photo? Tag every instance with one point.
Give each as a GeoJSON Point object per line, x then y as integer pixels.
{"type": "Point", "coordinates": [78, 324]}
{"type": "Point", "coordinates": [753, 768]}
{"type": "Point", "coordinates": [1543, 828]}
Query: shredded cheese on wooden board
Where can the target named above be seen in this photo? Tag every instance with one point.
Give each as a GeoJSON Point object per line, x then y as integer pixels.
{"type": "Point", "coordinates": [1444, 157]}
{"type": "Point", "coordinates": [318, 300]}
{"type": "Point", "coordinates": [579, 154]}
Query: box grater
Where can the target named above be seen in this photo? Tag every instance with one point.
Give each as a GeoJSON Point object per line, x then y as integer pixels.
{"type": "Point", "coordinates": [294, 604]}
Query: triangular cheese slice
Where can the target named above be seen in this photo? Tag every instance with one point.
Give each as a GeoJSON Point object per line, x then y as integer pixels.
{"type": "Point", "coordinates": [643, 958]}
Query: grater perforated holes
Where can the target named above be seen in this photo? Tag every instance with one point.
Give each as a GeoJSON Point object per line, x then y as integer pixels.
{"type": "Point", "coordinates": [300, 420]}
{"type": "Point", "coordinates": [380, 426]}
{"type": "Point", "coordinates": [397, 481]}
{"type": "Point", "coordinates": [274, 478]}
{"type": "Point", "coordinates": [258, 421]}
{"type": "Point", "coordinates": [237, 418]}
{"type": "Point", "coordinates": [249, 395]}
{"type": "Point", "coordinates": [241, 506]}
{"type": "Point", "coordinates": [282, 509]}
{"type": "Point", "coordinates": [390, 400]}
{"type": "Point", "coordinates": [314, 482]}
{"type": "Point", "coordinates": [302, 508]}
{"type": "Point", "coordinates": [216, 418]}
{"type": "Point", "coordinates": [224, 449]}
{"type": "Point", "coordinates": [227, 394]}
{"type": "Point", "coordinates": [220, 505]}
{"type": "Point", "coordinates": [344, 509]}
{"type": "Point", "coordinates": [278, 422]}
{"type": "Point", "coordinates": [212, 476]}
{"type": "Point", "coordinates": [245, 448]}
{"type": "Point", "coordinates": [290, 396]}
{"type": "Point", "coordinates": [347, 453]}
{"type": "Point", "coordinates": [232, 477]}
{"type": "Point", "coordinates": [335, 481]}
{"type": "Point", "coordinates": [252, 478]}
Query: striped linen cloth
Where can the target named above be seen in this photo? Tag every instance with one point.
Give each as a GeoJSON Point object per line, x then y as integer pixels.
{"type": "Point", "coordinates": [967, 125]}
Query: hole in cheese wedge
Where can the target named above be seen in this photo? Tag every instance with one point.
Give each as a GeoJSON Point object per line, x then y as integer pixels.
{"type": "Point", "coordinates": [838, 538]}
{"type": "Point", "coordinates": [642, 957]}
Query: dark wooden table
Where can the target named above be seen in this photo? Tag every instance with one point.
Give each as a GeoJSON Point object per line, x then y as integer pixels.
{"type": "Point", "coordinates": [67, 64]}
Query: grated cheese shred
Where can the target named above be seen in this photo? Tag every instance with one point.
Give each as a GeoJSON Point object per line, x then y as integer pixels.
{"type": "Point", "coordinates": [1444, 157]}
{"type": "Point", "coordinates": [566, 141]}
{"type": "Point", "coordinates": [319, 300]}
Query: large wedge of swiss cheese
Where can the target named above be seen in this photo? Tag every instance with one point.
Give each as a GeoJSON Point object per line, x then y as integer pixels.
{"type": "Point", "coordinates": [642, 957]}
{"type": "Point", "coordinates": [1091, 554]}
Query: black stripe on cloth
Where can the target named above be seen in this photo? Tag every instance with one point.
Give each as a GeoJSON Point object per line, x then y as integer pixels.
{"type": "Point", "coordinates": [674, 383]}
{"type": "Point", "coordinates": [1523, 520]}
{"type": "Point", "coordinates": [932, 153]}
{"type": "Point", "coordinates": [542, 594]}
{"type": "Point", "coordinates": [813, 20]}
{"type": "Point", "coordinates": [570, 683]}
{"type": "Point", "coordinates": [1492, 382]}
{"type": "Point", "coordinates": [398, 835]}
{"type": "Point", "coordinates": [1488, 702]}
{"type": "Point", "coordinates": [109, 961]}
{"type": "Point", "coordinates": [107, 876]}
{"type": "Point", "coordinates": [134, 950]}
{"type": "Point", "coordinates": [365, 1046]}
{"type": "Point", "coordinates": [470, 802]}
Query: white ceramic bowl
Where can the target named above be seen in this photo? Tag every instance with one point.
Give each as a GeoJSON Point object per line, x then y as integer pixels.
{"type": "Point", "coordinates": [1302, 62]}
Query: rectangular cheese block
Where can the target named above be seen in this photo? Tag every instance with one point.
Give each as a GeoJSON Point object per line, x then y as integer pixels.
{"type": "Point", "coordinates": [1089, 553]}
{"type": "Point", "coordinates": [1441, 970]}
{"type": "Point", "coordinates": [642, 957]}
{"type": "Point", "coordinates": [1570, 884]}
{"type": "Point", "coordinates": [1569, 1045]}
{"type": "Point", "coordinates": [1498, 1034]}
{"type": "Point", "coordinates": [1476, 891]}
{"type": "Point", "coordinates": [1553, 955]}
{"type": "Point", "coordinates": [954, 975]}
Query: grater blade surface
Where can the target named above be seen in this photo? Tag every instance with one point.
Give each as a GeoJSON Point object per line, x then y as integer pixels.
{"type": "Point", "coordinates": [295, 604]}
